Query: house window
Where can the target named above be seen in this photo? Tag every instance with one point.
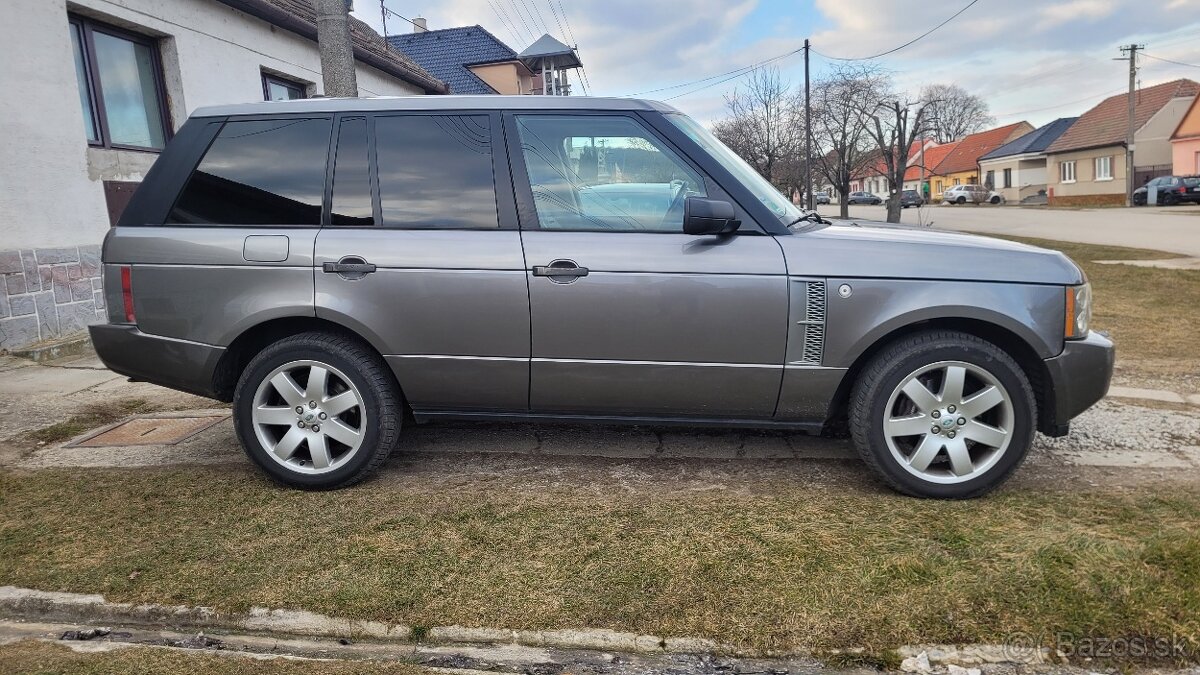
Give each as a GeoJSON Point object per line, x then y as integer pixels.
{"type": "Point", "coordinates": [119, 76]}
{"type": "Point", "coordinates": [1104, 168]}
{"type": "Point", "coordinates": [956, 181]}
{"type": "Point", "coordinates": [276, 88]}
{"type": "Point", "coordinates": [990, 180]}
{"type": "Point", "coordinates": [1008, 178]}
{"type": "Point", "coordinates": [1066, 171]}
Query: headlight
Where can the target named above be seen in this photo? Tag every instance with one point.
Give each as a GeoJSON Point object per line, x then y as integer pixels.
{"type": "Point", "coordinates": [1079, 311]}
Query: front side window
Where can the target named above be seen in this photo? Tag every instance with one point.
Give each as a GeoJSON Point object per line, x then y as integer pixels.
{"type": "Point", "coordinates": [435, 171]}
{"type": "Point", "coordinates": [592, 172]}
{"type": "Point", "coordinates": [120, 87]}
{"type": "Point", "coordinates": [1104, 168]}
{"type": "Point", "coordinates": [1066, 172]}
{"type": "Point", "coordinates": [259, 172]}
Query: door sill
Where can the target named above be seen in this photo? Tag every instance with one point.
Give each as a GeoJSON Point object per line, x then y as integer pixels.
{"type": "Point", "coordinates": [425, 416]}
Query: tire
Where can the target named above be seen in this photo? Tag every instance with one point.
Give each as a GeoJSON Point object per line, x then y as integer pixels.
{"type": "Point", "coordinates": [960, 200]}
{"type": "Point", "coordinates": [354, 415]}
{"type": "Point", "coordinates": [995, 200]}
{"type": "Point", "coordinates": [929, 359]}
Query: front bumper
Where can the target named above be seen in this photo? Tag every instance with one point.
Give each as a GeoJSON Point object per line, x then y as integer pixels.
{"type": "Point", "coordinates": [1079, 377]}
{"type": "Point", "coordinates": [177, 364]}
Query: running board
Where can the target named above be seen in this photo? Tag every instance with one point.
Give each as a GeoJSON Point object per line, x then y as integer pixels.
{"type": "Point", "coordinates": [425, 416]}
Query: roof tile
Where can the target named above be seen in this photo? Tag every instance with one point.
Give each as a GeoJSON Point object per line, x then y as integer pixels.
{"type": "Point", "coordinates": [1106, 124]}
{"type": "Point", "coordinates": [965, 156]}
{"type": "Point", "coordinates": [447, 52]}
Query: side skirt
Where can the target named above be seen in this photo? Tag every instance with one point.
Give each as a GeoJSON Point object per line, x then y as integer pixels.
{"type": "Point", "coordinates": [425, 416]}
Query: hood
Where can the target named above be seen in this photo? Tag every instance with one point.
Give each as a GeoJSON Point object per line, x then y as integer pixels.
{"type": "Point", "coordinates": [847, 249]}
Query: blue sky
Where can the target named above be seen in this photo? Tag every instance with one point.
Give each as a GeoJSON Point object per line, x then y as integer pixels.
{"type": "Point", "coordinates": [1031, 60]}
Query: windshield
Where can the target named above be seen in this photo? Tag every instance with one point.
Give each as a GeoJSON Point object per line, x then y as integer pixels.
{"type": "Point", "coordinates": [759, 186]}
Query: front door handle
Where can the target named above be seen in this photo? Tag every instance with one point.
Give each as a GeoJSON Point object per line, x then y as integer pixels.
{"type": "Point", "coordinates": [350, 267]}
{"type": "Point", "coordinates": [564, 270]}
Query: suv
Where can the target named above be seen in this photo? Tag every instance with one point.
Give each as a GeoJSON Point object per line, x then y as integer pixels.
{"type": "Point", "coordinates": [821, 197]}
{"type": "Point", "coordinates": [911, 198]}
{"type": "Point", "coordinates": [1170, 190]}
{"type": "Point", "coordinates": [337, 268]}
{"type": "Point", "coordinates": [863, 198]}
{"type": "Point", "coordinates": [974, 194]}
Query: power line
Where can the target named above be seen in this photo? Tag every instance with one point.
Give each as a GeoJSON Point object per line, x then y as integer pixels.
{"type": "Point", "coordinates": [517, 12]}
{"type": "Point", "coordinates": [535, 17]}
{"type": "Point", "coordinates": [512, 31]}
{"type": "Point", "coordinates": [561, 32]}
{"type": "Point", "coordinates": [1178, 63]}
{"type": "Point", "coordinates": [906, 44]}
{"type": "Point", "coordinates": [587, 83]}
{"type": "Point", "coordinates": [1060, 105]}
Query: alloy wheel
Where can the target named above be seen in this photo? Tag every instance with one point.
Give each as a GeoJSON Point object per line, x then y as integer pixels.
{"type": "Point", "coordinates": [309, 417]}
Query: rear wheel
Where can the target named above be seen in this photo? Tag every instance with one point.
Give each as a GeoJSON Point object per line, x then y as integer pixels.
{"type": "Point", "coordinates": [317, 411]}
{"type": "Point", "coordinates": [960, 200]}
{"type": "Point", "coordinates": [943, 414]}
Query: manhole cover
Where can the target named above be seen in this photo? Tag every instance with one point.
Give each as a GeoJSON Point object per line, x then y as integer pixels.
{"type": "Point", "coordinates": [148, 430]}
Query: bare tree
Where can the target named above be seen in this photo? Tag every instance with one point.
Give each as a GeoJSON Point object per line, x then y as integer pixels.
{"type": "Point", "coordinates": [765, 126]}
{"type": "Point", "coordinates": [897, 123]}
{"type": "Point", "coordinates": [954, 112]}
{"type": "Point", "coordinates": [842, 104]}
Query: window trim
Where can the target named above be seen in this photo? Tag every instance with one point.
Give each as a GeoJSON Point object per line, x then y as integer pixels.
{"type": "Point", "coordinates": [1096, 168]}
{"type": "Point", "coordinates": [1062, 171]}
{"type": "Point", "coordinates": [268, 78]}
{"type": "Point", "coordinates": [95, 89]}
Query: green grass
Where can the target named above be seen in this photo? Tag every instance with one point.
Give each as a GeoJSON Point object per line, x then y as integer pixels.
{"type": "Point", "coordinates": [803, 567]}
{"type": "Point", "coordinates": [90, 417]}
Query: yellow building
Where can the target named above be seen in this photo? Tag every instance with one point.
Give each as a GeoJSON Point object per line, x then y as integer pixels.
{"type": "Point", "coordinates": [961, 165]}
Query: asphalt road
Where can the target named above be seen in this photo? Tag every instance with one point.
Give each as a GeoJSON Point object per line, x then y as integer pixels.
{"type": "Point", "coordinates": [1175, 229]}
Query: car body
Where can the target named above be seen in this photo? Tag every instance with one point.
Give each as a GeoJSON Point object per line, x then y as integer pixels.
{"type": "Point", "coordinates": [911, 198]}
{"type": "Point", "coordinates": [971, 194]}
{"type": "Point", "coordinates": [863, 198]}
{"type": "Point", "coordinates": [821, 197]}
{"type": "Point", "coordinates": [334, 267]}
{"type": "Point", "coordinates": [1171, 190]}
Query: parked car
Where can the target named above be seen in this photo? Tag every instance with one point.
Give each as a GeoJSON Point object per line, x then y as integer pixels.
{"type": "Point", "coordinates": [863, 198]}
{"type": "Point", "coordinates": [821, 197]}
{"type": "Point", "coordinates": [971, 194]}
{"type": "Point", "coordinates": [338, 268]}
{"type": "Point", "coordinates": [911, 198]}
{"type": "Point", "coordinates": [1171, 190]}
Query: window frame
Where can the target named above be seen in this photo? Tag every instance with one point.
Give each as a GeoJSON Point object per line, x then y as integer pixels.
{"type": "Point", "coordinates": [1096, 168]}
{"type": "Point", "coordinates": [95, 90]}
{"type": "Point", "coordinates": [1062, 172]}
{"type": "Point", "coordinates": [527, 209]}
{"type": "Point", "coordinates": [1007, 173]}
{"type": "Point", "coordinates": [268, 78]}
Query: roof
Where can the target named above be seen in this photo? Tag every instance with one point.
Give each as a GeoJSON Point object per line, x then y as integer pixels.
{"type": "Point", "coordinates": [299, 16]}
{"type": "Point", "coordinates": [876, 165]}
{"type": "Point", "coordinates": [933, 157]}
{"type": "Point", "coordinates": [552, 50]}
{"type": "Point", "coordinates": [388, 103]}
{"type": "Point", "coordinates": [1033, 142]}
{"type": "Point", "coordinates": [965, 156]}
{"type": "Point", "coordinates": [447, 52]}
{"type": "Point", "coordinates": [1107, 123]}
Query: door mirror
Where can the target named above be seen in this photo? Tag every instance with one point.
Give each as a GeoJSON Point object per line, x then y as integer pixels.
{"type": "Point", "coordinates": [709, 216]}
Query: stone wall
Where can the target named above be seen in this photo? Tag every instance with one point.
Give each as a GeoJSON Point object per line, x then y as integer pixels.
{"type": "Point", "coordinates": [47, 293]}
{"type": "Point", "coordinates": [1087, 200]}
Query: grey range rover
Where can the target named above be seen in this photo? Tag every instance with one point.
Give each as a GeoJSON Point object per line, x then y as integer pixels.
{"type": "Point", "coordinates": [337, 268]}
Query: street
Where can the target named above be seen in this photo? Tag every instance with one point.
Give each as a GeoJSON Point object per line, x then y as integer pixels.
{"type": "Point", "coordinates": [1172, 228]}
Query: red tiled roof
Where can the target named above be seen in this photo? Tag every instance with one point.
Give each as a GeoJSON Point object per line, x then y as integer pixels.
{"type": "Point", "coordinates": [933, 157]}
{"type": "Point", "coordinates": [966, 154]}
{"type": "Point", "coordinates": [876, 165]}
{"type": "Point", "coordinates": [1106, 124]}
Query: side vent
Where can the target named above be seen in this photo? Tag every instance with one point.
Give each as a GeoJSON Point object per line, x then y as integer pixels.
{"type": "Point", "coordinates": [808, 345]}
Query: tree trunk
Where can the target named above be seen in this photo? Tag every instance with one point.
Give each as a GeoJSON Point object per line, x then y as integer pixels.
{"type": "Point", "coordinates": [843, 193]}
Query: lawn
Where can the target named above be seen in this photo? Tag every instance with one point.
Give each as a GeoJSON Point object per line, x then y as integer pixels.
{"type": "Point", "coordinates": [804, 567]}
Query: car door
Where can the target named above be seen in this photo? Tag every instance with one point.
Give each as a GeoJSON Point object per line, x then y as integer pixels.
{"type": "Point", "coordinates": [422, 256]}
{"type": "Point", "coordinates": [629, 315]}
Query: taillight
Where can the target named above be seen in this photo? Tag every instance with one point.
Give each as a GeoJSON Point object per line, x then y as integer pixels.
{"type": "Point", "coordinates": [1182, 190]}
{"type": "Point", "coordinates": [127, 293]}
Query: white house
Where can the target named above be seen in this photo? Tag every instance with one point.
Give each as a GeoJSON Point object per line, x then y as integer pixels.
{"type": "Point", "coordinates": [92, 91]}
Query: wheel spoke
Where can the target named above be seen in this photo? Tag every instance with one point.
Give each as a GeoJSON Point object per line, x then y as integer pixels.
{"type": "Point", "coordinates": [952, 386]}
{"type": "Point", "coordinates": [911, 425]}
{"type": "Point", "coordinates": [984, 433]}
{"type": "Point", "coordinates": [319, 451]}
{"type": "Point", "coordinates": [269, 414]}
{"type": "Point", "coordinates": [317, 379]}
{"type": "Point", "coordinates": [920, 395]}
{"type": "Point", "coordinates": [925, 452]}
{"type": "Point", "coordinates": [982, 401]}
{"type": "Point", "coordinates": [339, 404]}
{"type": "Point", "coordinates": [960, 458]}
{"type": "Point", "coordinates": [288, 389]}
{"type": "Point", "coordinates": [286, 447]}
{"type": "Point", "coordinates": [341, 433]}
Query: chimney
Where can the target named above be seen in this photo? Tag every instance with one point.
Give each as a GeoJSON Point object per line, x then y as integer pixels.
{"type": "Point", "coordinates": [420, 25]}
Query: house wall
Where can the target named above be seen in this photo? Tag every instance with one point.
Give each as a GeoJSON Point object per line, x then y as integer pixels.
{"type": "Point", "coordinates": [1185, 156]}
{"type": "Point", "coordinates": [1028, 175]}
{"type": "Point", "coordinates": [505, 78]}
{"type": "Point", "coordinates": [53, 213]}
{"type": "Point", "coordinates": [1087, 190]}
{"type": "Point", "coordinates": [1152, 143]}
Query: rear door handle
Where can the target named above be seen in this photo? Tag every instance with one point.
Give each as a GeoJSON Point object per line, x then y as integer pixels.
{"type": "Point", "coordinates": [350, 267]}
{"type": "Point", "coordinates": [560, 268]}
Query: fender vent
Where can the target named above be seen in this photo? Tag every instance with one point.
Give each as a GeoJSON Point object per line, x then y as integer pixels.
{"type": "Point", "coordinates": [811, 324]}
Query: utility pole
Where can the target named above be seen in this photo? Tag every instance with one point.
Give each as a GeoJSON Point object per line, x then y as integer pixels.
{"type": "Point", "coordinates": [1130, 131]}
{"type": "Point", "coordinates": [808, 158]}
{"type": "Point", "coordinates": [337, 52]}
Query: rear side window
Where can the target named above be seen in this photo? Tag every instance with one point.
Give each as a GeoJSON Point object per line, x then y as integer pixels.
{"type": "Point", "coordinates": [435, 171]}
{"type": "Point", "coordinates": [259, 172]}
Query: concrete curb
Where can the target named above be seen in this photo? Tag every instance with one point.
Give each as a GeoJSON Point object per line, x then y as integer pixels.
{"type": "Point", "coordinates": [75, 345]}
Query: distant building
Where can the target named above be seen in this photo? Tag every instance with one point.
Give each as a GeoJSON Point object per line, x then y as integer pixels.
{"type": "Point", "coordinates": [961, 165]}
{"type": "Point", "coordinates": [1185, 142]}
{"type": "Point", "coordinates": [1017, 169]}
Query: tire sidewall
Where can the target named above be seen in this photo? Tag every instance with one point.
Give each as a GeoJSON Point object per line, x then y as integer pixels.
{"type": "Point", "coordinates": [243, 404]}
{"type": "Point", "coordinates": [1003, 369]}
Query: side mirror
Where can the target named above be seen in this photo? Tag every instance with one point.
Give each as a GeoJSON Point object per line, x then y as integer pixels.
{"type": "Point", "coordinates": [709, 216]}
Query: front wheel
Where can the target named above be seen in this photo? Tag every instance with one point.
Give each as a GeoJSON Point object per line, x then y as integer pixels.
{"type": "Point", "coordinates": [943, 414]}
{"type": "Point", "coordinates": [317, 411]}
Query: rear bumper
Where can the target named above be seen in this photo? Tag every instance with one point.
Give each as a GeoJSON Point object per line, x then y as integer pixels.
{"type": "Point", "coordinates": [177, 364]}
{"type": "Point", "coordinates": [1079, 377]}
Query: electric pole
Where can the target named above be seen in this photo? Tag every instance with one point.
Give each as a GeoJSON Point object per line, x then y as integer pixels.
{"type": "Point", "coordinates": [1130, 131]}
{"type": "Point", "coordinates": [337, 52]}
{"type": "Point", "coordinates": [808, 158]}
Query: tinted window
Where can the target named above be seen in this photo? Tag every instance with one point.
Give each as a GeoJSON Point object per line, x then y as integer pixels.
{"type": "Point", "coordinates": [436, 171]}
{"type": "Point", "coordinates": [593, 172]}
{"type": "Point", "coordinates": [351, 176]}
{"type": "Point", "coordinates": [268, 172]}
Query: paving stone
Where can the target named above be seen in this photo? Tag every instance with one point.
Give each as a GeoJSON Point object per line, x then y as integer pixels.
{"type": "Point", "coordinates": [62, 287]}
{"type": "Point", "coordinates": [81, 289]}
{"type": "Point", "coordinates": [15, 284]}
{"type": "Point", "coordinates": [47, 312]}
{"type": "Point", "coordinates": [29, 265]}
{"type": "Point", "coordinates": [52, 256]}
{"type": "Point", "coordinates": [21, 305]}
{"type": "Point", "coordinates": [46, 276]}
{"type": "Point", "coordinates": [10, 262]}
{"type": "Point", "coordinates": [4, 310]}
{"type": "Point", "coordinates": [89, 260]}
{"type": "Point", "coordinates": [17, 332]}
{"type": "Point", "coordinates": [75, 317]}
{"type": "Point", "coordinates": [74, 272]}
